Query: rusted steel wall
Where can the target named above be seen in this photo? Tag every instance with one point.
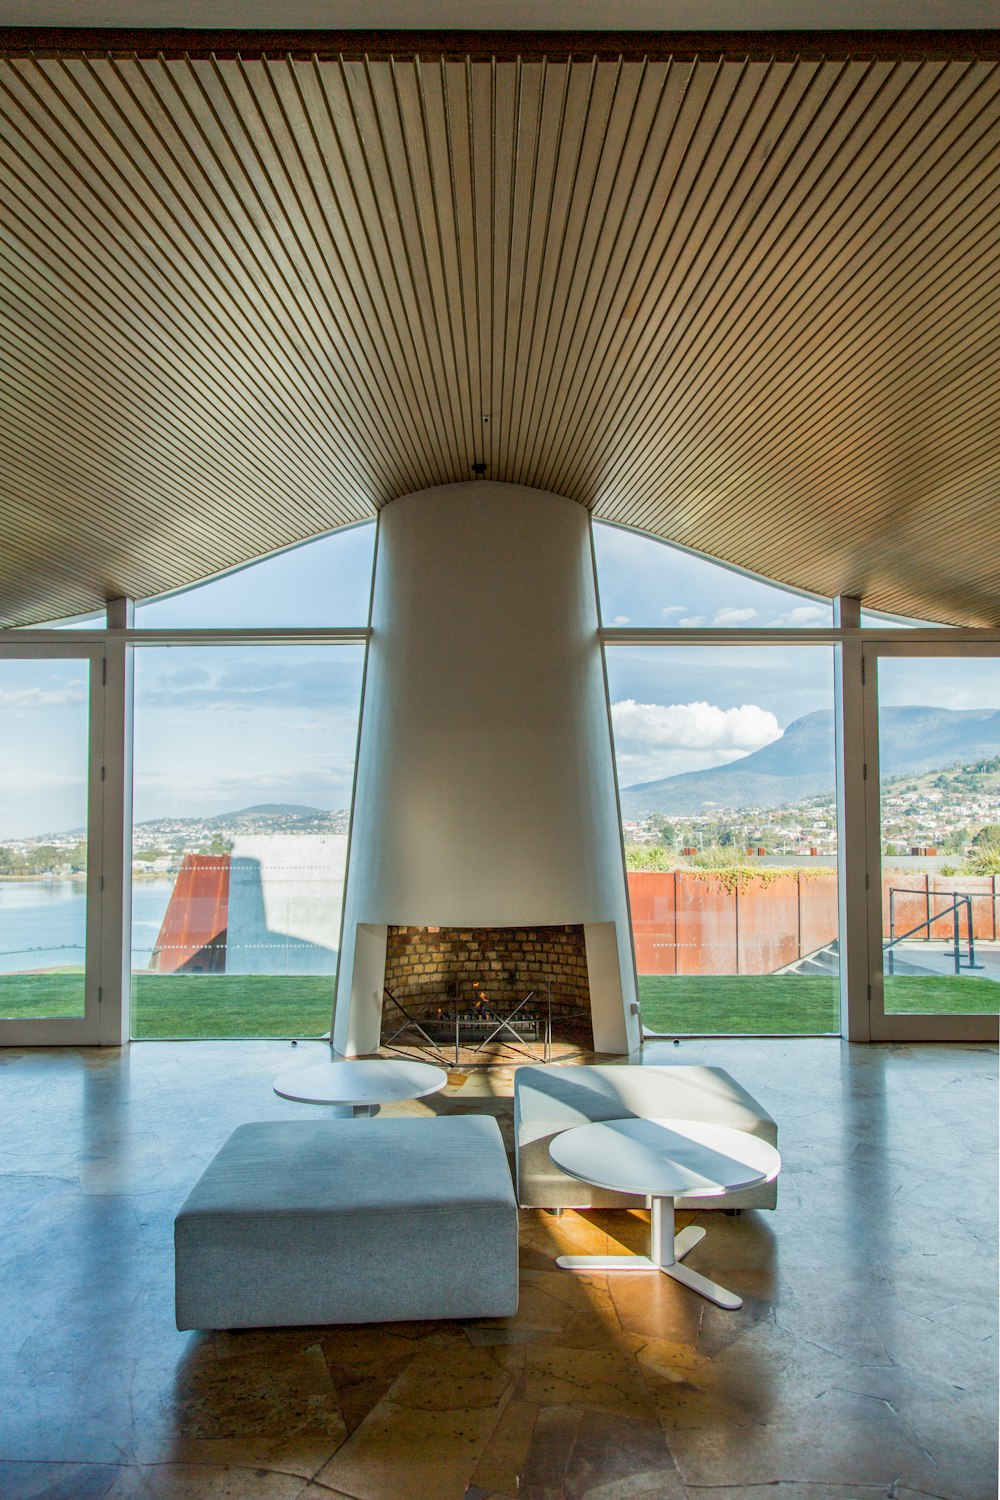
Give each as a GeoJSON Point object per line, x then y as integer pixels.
{"type": "Point", "coordinates": [689, 922]}
{"type": "Point", "coordinates": [768, 921]}
{"type": "Point", "coordinates": [909, 900]}
{"type": "Point", "coordinates": [818, 911]}
{"type": "Point", "coordinates": [706, 925]}
{"type": "Point", "coordinates": [934, 894]}
{"type": "Point", "coordinates": [192, 936]}
{"type": "Point", "coordinates": [653, 902]}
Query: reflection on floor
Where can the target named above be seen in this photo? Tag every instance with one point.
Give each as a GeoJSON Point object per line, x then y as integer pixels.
{"type": "Point", "coordinates": [863, 1362]}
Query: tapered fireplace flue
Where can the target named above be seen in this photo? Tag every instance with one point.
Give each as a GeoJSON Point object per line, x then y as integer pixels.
{"type": "Point", "coordinates": [485, 793]}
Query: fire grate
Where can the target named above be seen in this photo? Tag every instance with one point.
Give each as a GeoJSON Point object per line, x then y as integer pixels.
{"type": "Point", "coordinates": [476, 1024]}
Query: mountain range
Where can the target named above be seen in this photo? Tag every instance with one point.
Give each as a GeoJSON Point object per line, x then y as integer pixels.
{"type": "Point", "coordinates": [800, 764]}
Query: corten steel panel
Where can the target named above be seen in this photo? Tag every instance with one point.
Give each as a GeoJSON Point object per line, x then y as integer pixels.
{"type": "Point", "coordinates": [817, 910]}
{"type": "Point", "coordinates": [910, 904]}
{"type": "Point", "coordinates": [768, 923]}
{"type": "Point", "coordinates": [652, 901]}
{"type": "Point", "coordinates": [747, 302]}
{"type": "Point", "coordinates": [706, 925]}
{"type": "Point", "coordinates": [980, 888]}
{"type": "Point", "coordinates": [192, 935]}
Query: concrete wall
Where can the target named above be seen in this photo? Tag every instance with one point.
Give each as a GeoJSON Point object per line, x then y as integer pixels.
{"type": "Point", "coordinates": [485, 791]}
{"type": "Point", "coordinates": [285, 898]}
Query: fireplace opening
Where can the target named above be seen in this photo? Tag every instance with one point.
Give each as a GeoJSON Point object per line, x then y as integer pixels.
{"type": "Point", "coordinates": [486, 992]}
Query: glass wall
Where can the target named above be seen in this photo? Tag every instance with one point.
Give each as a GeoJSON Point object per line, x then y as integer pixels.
{"type": "Point", "coordinates": [725, 761]}
{"type": "Point", "coordinates": [244, 764]}
{"type": "Point", "coordinates": [324, 583]}
{"type": "Point", "coordinates": [645, 582]}
{"type": "Point", "coordinates": [939, 767]}
{"type": "Point", "coordinates": [44, 712]}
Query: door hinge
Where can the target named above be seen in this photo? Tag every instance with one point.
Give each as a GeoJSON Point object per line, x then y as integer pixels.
{"type": "Point", "coordinates": [104, 772]}
{"type": "Point", "coordinates": [102, 882]}
{"type": "Point", "coordinates": [864, 772]}
{"type": "Point", "coordinates": [869, 992]}
{"type": "Point", "coordinates": [104, 671]}
{"type": "Point", "coordinates": [862, 671]}
{"type": "Point", "coordinates": [868, 883]}
{"type": "Point", "coordinates": [100, 993]}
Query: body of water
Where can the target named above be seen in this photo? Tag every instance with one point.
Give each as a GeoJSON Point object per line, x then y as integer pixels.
{"type": "Point", "coordinates": [43, 923]}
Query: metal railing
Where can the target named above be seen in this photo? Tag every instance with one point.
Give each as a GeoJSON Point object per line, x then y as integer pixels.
{"type": "Point", "coordinates": [959, 903]}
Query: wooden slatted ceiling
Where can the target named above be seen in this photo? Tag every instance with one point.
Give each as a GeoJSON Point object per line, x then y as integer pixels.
{"type": "Point", "coordinates": [749, 306]}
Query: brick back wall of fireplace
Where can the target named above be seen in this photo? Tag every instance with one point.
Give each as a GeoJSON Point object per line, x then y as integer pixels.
{"type": "Point", "coordinates": [423, 965]}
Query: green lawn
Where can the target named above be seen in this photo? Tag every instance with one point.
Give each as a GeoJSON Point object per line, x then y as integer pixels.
{"type": "Point", "coordinates": [791, 1003]}
{"type": "Point", "coordinates": [189, 1005]}
{"type": "Point", "coordinates": [906, 994]}
{"type": "Point", "coordinates": [236, 1005]}
{"type": "Point", "coordinates": [760, 1003]}
{"type": "Point", "coordinates": [41, 995]}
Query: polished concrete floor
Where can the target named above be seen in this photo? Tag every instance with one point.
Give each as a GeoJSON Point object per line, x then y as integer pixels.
{"type": "Point", "coordinates": [863, 1362]}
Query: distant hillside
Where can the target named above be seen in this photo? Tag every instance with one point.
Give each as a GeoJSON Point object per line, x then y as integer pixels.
{"type": "Point", "coordinates": [265, 811]}
{"type": "Point", "coordinates": [266, 817]}
{"type": "Point", "coordinates": [800, 764]}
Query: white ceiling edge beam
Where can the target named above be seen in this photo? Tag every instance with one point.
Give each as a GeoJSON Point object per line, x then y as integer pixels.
{"type": "Point", "coordinates": [778, 636]}
{"type": "Point", "coordinates": [233, 635]}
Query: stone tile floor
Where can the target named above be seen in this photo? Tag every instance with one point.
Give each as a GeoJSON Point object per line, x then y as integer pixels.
{"type": "Point", "coordinates": [863, 1362]}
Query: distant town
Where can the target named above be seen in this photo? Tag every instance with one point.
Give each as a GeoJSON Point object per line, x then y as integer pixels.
{"type": "Point", "coordinates": [159, 844]}
{"type": "Point", "coordinates": [940, 812]}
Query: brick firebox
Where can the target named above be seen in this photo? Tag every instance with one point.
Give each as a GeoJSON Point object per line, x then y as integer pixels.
{"type": "Point", "coordinates": [425, 966]}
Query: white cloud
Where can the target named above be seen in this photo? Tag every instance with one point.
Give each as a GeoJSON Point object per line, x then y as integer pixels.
{"type": "Point", "coordinates": [296, 777]}
{"type": "Point", "coordinates": [730, 616]}
{"type": "Point", "coordinates": [622, 620]}
{"type": "Point", "coordinates": [658, 739]}
{"type": "Point", "coordinates": [699, 725]}
{"type": "Point", "coordinates": [34, 697]}
{"type": "Point", "coordinates": [673, 609]}
{"type": "Point", "coordinates": [691, 622]}
{"type": "Point", "coordinates": [803, 614]}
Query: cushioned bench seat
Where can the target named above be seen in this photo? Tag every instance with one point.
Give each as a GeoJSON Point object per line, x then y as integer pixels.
{"type": "Point", "coordinates": [349, 1221]}
{"type": "Point", "coordinates": [548, 1100]}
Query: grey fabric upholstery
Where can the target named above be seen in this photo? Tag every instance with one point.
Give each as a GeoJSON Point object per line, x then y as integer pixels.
{"type": "Point", "coordinates": [548, 1100]}
{"type": "Point", "coordinates": [349, 1221]}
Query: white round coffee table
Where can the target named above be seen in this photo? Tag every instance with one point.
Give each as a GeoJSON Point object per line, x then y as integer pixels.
{"type": "Point", "coordinates": [665, 1159]}
{"type": "Point", "coordinates": [359, 1085]}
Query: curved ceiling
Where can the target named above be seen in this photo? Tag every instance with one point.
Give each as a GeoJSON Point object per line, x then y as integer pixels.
{"type": "Point", "coordinates": [744, 301]}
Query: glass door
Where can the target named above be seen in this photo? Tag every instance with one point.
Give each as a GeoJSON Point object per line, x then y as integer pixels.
{"type": "Point", "coordinates": [933, 766]}
{"type": "Point", "coordinates": [727, 783]}
{"type": "Point", "coordinates": [49, 807]}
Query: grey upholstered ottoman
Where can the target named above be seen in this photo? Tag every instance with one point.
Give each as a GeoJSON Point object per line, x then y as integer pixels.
{"type": "Point", "coordinates": [548, 1100]}
{"type": "Point", "coordinates": [349, 1221]}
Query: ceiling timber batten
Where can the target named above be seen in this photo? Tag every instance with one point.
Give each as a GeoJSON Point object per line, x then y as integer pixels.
{"type": "Point", "coordinates": [748, 306]}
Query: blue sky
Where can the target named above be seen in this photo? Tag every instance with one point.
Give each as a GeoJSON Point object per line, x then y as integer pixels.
{"type": "Point", "coordinates": [326, 582]}
{"type": "Point", "coordinates": [644, 582]}
{"type": "Point", "coordinates": [220, 728]}
{"type": "Point", "coordinates": [44, 712]}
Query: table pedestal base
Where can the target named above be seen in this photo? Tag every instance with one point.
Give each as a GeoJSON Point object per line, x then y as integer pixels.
{"type": "Point", "coordinates": [666, 1251]}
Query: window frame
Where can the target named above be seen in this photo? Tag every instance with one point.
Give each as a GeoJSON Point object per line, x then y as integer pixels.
{"type": "Point", "coordinates": [85, 1030]}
